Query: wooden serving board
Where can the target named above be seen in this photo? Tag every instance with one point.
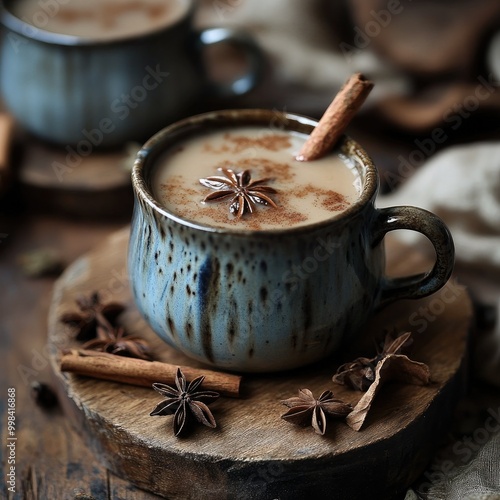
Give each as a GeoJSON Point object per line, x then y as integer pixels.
{"type": "Point", "coordinates": [253, 453]}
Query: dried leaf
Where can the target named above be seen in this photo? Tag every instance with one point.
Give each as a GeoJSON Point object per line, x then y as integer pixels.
{"type": "Point", "coordinates": [397, 344]}
{"type": "Point", "coordinates": [360, 373]}
{"type": "Point", "coordinates": [395, 367]}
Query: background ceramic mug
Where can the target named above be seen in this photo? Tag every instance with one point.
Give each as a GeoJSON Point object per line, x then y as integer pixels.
{"type": "Point", "coordinates": [109, 90]}
{"type": "Point", "coordinates": [308, 321]}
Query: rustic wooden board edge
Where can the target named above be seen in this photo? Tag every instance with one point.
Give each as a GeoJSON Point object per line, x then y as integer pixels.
{"type": "Point", "coordinates": [94, 186]}
{"type": "Point", "coordinates": [274, 479]}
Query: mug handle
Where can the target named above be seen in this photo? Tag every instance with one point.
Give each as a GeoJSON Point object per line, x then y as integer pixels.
{"type": "Point", "coordinates": [431, 226]}
{"type": "Point", "coordinates": [248, 81]}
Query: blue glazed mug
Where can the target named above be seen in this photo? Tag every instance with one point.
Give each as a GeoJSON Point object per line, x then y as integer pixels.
{"type": "Point", "coordinates": [227, 297]}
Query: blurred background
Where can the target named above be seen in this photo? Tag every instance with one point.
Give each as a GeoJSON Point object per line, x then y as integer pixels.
{"type": "Point", "coordinates": [431, 61]}
{"type": "Point", "coordinates": [435, 65]}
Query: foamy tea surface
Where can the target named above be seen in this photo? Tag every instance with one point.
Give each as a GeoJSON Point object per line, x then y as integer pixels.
{"type": "Point", "coordinates": [306, 192]}
{"type": "Point", "coordinates": [101, 18]}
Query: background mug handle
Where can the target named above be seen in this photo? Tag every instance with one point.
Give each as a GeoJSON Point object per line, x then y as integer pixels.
{"type": "Point", "coordinates": [431, 226]}
{"type": "Point", "coordinates": [249, 46]}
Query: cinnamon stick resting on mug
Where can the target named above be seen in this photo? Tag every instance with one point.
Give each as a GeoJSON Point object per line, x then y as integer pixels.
{"type": "Point", "coordinates": [336, 118]}
{"type": "Point", "coordinates": [133, 371]}
{"type": "Point", "coordinates": [6, 136]}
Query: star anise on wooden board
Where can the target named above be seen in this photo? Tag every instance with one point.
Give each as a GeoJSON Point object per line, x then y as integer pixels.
{"type": "Point", "coordinates": [360, 373]}
{"type": "Point", "coordinates": [244, 193]}
{"type": "Point", "coordinates": [95, 324]}
{"type": "Point", "coordinates": [185, 402]}
{"type": "Point", "coordinates": [307, 410]}
{"type": "Point", "coordinates": [115, 341]}
{"type": "Point", "coordinates": [92, 312]}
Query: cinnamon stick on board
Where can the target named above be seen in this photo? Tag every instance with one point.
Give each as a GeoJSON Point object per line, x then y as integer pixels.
{"type": "Point", "coordinates": [336, 118]}
{"type": "Point", "coordinates": [133, 371]}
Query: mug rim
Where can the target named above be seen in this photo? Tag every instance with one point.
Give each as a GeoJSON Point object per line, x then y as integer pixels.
{"type": "Point", "coordinates": [156, 144]}
{"type": "Point", "coordinates": [32, 32]}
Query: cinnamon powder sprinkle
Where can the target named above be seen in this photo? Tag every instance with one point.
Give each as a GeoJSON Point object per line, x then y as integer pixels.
{"type": "Point", "coordinates": [258, 220]}
{"type": "Point", "coordinates": [273, 142]}
{"type": "Point", "coordinates": [335, 202]}
{"type": "Point", "coordinates": [330, 200]}
{"type": "Point", "coordinates": [106, 15]}
{"type": "Point", "coordinates": [270, 142]}
{"type": "Point", "coordinates": [184, 197]}
{"type": "Point", "coordinates": [178, 192]}
{"type": "Point", "coordinates": [264, 166]}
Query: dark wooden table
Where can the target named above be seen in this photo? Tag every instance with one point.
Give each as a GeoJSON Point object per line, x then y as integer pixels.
{"type": "Point", "coordinates": [51, 460]}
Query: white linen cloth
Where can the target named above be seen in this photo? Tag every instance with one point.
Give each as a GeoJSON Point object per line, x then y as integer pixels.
{"type": "Point", "coordinates": [461, 184]}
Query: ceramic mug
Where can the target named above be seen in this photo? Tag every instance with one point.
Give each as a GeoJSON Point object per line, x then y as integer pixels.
{"type": "Point", "coordinates": [230, 322]}
{"type": "Point", "coordinates": [105, 91]}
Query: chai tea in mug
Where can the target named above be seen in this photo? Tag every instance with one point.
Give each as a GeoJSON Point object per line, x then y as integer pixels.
{"type": "Point", "coordinates": [245, 258]}
{"type": "Point", "coordinates": [301, 193]}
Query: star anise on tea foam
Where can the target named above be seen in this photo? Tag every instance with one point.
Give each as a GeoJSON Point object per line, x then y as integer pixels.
{"type": "Point", "coordinates": [360, 373]}
{"type": "Point", "coordinates": [92, 313]}
{"type": "Point", "coordinates": [244, 194]}
{"type": "Point", "coordinates": [307, 410]}
{"type": "Point", "coordinates": [185, 402]}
